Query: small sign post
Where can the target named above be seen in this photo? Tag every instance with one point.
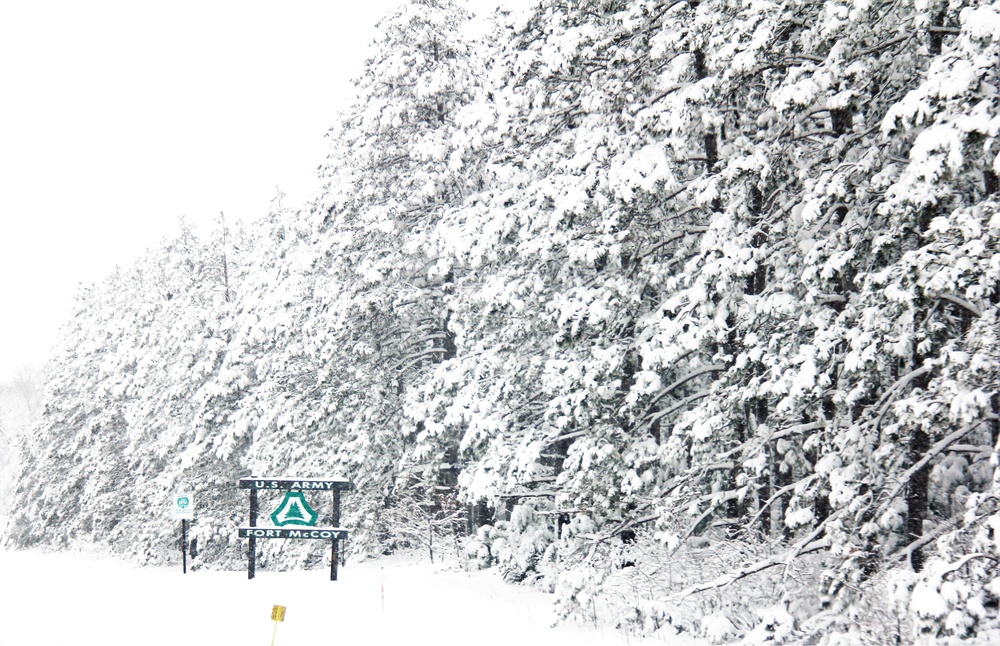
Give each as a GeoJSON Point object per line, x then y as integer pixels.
{"type": "Point", "coordinates": [183, 508]}
{"type": "Point", "coordinates": [277, 614]}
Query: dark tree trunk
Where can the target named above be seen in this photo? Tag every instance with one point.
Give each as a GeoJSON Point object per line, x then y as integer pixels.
{"type": "Point", "coordinates": [711, 143]}
{"type": "Point", "coordinates": [916, 495]}
{"type": "Point", "coordinates": [936, 35]}
{"type": "Point", "coordinates": [841, 121]}
{"type": "Point", "coordinates": [759, 410]}
{"type": "Point", "coordinates": [735, 509]}
{"type": "Point", "coordinates": [991, 184]}
{"type": "Point", "coordinates": [917, 488]}
{"type": "Point", "coordinates": [995, 422]}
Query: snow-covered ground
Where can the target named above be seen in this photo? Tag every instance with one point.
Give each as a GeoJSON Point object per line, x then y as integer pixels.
{"type": "Point", "coordinates": [66, 599]}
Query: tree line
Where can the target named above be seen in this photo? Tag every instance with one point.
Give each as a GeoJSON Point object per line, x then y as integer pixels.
{"type": "Point", "coordinates": [619, 285]}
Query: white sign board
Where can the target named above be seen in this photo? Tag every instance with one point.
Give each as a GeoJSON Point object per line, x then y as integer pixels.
{"type": "Point", "coordinates": [182, 504]}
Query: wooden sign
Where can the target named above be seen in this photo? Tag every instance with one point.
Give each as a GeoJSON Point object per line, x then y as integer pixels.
{"type": "Point", "coordinates": [293, 510]}
{"type": "Point", "coordinates": [326, 533]}
{"type": "Point", "coordinates": [301, 484]}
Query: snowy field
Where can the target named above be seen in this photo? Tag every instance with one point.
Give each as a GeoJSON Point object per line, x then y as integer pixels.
{"type": "Point", "coordinates": [66, 599]}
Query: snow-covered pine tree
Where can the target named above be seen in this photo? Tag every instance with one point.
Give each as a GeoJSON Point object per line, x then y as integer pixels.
{"type": "Point", "coordinates": [398, 160]}
{"type": "Point", "coordinates": [944, 283]}
{"type": "Point", "coordinates": [121, 407]}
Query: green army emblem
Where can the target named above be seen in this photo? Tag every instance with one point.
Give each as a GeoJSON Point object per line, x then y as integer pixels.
{"type": "Point", "coordinates": [294, 510]}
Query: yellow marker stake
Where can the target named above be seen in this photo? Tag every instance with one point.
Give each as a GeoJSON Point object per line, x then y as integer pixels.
{"type": "Point", "coordinates": [277, 614]}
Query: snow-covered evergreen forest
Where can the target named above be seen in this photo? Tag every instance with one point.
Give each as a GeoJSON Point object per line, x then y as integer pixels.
{"type": "Point", "coordinates": [20, 405]}
{"type": "Point", "coordinates": [685, 309]}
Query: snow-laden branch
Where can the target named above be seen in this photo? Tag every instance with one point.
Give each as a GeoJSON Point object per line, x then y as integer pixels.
{"type": "Point", "coordinates": [728, 579]}
{"type": "Point", "coordinates": [663, 11]}
{"type": "Point", "coordinates": [529, 494]}
{"type": "Point", "coordinates": [714, 501]}
{"type": "Point", "coordinates": [781, 492]}
{"type": "Point", "coordinates": [961, 302]}
{"type": "Point", "coordinates": [939, 531]}
{"type": "Point", "coordinates": [802, 546]}
{"type": "Point", "coordinates": [814, 134]}
{"type": "Point", "coordinates": [411, 360]}
{"type": "Point", "coordinates": [799, 429]}
{"type": "Point", "coordinates": [934, 451]}
{"type": "Point", "coordinates": [625, 525]}
{"type": "Point", "coordinates": [654, 418]}
{"type": "Point", "coordinates": [663, 243]}
{"type": "Point", "coordinates": [979, 451]}
{"type": "Point", "coordinates": [885, 45]}
{"type": "Point", "coordinates": [565, 436]}
{"type": "Point", "coordinates": [662, 95]}
{"type": "Point", "coordinates": [890, 394]}
{"type": "Point", "coordinates": [694, 374]}
{"type": "Point", "coordinates": [936, 29]}
{"type": "Point", "coordinates": [823, 299]}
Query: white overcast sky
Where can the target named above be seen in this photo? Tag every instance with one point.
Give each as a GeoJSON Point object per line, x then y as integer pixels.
{"type": "Point", "coordinates": [117, 118]}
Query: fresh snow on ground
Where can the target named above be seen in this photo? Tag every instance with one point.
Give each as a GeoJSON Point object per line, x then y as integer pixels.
{"type": "Point", "coordinates": [73, 598]}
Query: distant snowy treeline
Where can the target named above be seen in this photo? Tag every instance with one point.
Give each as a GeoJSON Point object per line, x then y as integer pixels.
{"type": "Point", "coordinates": [685, 308]}
{"type": "Point", "coordinates": [20, 406]}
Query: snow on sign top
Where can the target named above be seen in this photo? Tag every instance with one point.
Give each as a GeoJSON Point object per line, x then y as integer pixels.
{"type": "Point", "coordinates": [302, 484]}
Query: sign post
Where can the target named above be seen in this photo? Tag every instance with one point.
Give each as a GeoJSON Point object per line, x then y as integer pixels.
{"type": "Point", "coordinates": [252, 547]}
{"type": "Point", "coordinates": [183, 508]}
{"type": "Point", "coordinates": [277, 614]}
{"type": "Point", "coordinates": [335, 547]}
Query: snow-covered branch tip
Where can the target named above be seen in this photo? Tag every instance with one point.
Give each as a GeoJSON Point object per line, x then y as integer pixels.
{"type": "Point", "coordinates": [961, 302]}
